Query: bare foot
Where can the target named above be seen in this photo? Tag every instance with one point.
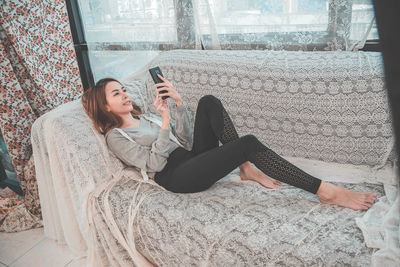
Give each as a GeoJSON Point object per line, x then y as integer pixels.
{"type": "Point", "coordinates": [335, 195]}
{"type": "Point", "coordinates": [250, 173]}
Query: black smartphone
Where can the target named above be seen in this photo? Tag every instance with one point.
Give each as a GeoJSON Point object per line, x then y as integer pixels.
{"type": "Point", "coordinates": [153, 72]}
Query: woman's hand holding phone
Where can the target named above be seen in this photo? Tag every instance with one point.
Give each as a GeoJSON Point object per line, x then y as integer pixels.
{"type": "Point", "coordinates": [162, 108]}
{"type": "Point", "coordinates": [166, 88]}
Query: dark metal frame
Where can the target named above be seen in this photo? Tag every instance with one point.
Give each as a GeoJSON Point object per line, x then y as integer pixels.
{"type": "Point", "coordinates": [80, 45]}
{"type": "Point", "coordinates": [387, 20]}
{"type": "Point", "coordinates": [372, 45]}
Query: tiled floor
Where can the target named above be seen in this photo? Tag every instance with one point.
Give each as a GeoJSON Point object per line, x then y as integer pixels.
{"type": "Point", "coordinates": [32, 248]}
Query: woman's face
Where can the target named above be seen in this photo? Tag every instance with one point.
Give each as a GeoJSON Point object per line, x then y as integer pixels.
{"type": "Point", "coordinates": [118, 100]}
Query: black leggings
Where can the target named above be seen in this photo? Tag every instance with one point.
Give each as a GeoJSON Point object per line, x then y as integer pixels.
{"type": "Point", "coordinates": [207, 162]}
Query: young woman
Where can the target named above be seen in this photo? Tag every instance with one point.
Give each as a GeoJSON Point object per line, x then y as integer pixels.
{"type": "Point", "coordinates": [179, 169]}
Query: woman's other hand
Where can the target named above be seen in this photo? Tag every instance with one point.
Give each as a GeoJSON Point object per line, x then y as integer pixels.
{"type": "Point", "coordinates": [162, 108]}
{"type": "Point", "coordinates": [172, 93]}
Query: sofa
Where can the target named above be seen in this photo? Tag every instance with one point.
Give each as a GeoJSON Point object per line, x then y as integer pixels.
{"type": "Point", "coordinates": [326, 112]}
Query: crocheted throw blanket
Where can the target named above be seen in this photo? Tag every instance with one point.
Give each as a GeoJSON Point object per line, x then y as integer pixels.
{"type": "Point", "coordinates": [233, 223]}
{"type": "Point", "coordinates": [104, 210]}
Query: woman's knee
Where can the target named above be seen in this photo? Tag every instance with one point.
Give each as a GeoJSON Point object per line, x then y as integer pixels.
{"type": "Point", "coordinates": [249, 138]}
{"type": "Point", "coordinates": [251, 142]}
{"type": "Point", "coordinates": [209, 100]}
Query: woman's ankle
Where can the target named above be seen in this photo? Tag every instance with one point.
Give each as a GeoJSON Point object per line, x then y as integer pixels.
{"type": "Point", "coordinates": [245, 166]}
{"type": "Point", "coordinates": [325, 191]}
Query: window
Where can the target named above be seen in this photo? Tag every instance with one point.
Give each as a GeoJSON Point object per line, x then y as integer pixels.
{"type": "Point", "coordinates": [123, 35]}
{"type": "Point", "coordinates": [362, 14]}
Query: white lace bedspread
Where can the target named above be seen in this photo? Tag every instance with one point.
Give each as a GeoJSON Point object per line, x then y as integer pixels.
{"type": "Point", "coordinates": [234, 223]}
{"type": "Point", "coordinates": [105, 212]}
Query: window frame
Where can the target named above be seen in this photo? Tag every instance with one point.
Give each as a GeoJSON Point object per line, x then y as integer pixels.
{"type": "Point", "coordinates": [81, 47]}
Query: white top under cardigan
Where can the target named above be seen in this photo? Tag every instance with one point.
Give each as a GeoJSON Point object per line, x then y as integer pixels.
{"type": "Point", "coordinates": [148, 147]}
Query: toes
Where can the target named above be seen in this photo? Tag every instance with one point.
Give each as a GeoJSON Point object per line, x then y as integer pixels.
{"type": "Point", "coordinates": [367, 206]}
{"type": "Point", "coordinates": [363, 206]}
{"type": "Point", "coordinates": [275, 185]}
{"type": "Point", "coordinates": [371, 198]}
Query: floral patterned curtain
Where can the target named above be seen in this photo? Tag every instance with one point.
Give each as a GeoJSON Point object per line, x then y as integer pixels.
{"type": "Point", "coordinates": [38, 72]}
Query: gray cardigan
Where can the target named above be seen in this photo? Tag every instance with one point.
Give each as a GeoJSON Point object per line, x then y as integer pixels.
{"type": "Point", "coordinates": [152, 145]}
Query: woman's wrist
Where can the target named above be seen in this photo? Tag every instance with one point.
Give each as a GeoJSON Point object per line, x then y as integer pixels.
{"type": "Point", "coordinates": [165, 125]}
{"type": "Point", "coordinates": [179, 102]}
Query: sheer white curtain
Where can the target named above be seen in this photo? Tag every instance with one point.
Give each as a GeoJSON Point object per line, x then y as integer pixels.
{"type": "Point", "coordinates": [124, 35]}
{"type": "Point", "coordinates": [284, 24]}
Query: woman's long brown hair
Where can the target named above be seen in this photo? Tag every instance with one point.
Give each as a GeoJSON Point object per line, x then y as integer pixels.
{"type": "Point", "coordinates": [94, 102]}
